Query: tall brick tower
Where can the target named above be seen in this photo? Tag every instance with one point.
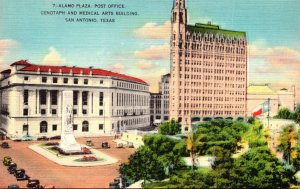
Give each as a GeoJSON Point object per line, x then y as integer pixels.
{"type": "Point", "coordinates": [208, 70]}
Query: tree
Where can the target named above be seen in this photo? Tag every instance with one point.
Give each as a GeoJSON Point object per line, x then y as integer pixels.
{"type": "Point", "coordinates": [284, 113]}
{"type": "Point", "coordinates": [169, 128]}
{"type": "Point", "coordinates": [287, 144]}
{"type": "Point", "coordinates": [192, 142]}
{"type": "Point", "coordinates": [144, 164]}
{"type": "Point", "coordinates": [258, 168]}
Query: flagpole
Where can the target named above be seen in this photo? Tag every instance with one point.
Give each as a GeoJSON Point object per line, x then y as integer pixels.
{"type": "Point", "coordinates": [268, 112]}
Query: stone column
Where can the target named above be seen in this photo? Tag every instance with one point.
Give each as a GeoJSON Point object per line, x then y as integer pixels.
{"type": "Point", "coordinates": [48, 102]}
{"type": "Point", "coordinates": [38, 102]}
{"type": "Point", "coordinates": [79, 103]}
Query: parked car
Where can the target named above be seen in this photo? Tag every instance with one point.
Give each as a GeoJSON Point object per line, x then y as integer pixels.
{"type": "Point", "coordinates": [12, 167]}
{"type": "Point", "coordinates": [5, 145]}
{"type": "Point", "coordinates": [120, 145]}
{"type": "Point", "coordinates": [105, 145]}
{"type": "Point", "coordinates": [44, 138]}
{"type": "Point", "coordinates": [13, 186]}
{"type": "Point", "coordinates": [89, 143]}
{"type": "Point", "coordinates": [17, 171]}
{"type": "Point", "coordinates": [20, 175]}
{"type": "Point", "coordinates": [33, 183]}
{"type": "Point", "coordinates": [7, 160]}
{"type": "Point", "coordinates": [27, 138]}
{"type": "Point", "coordinates": [55, 137]}
{"type": "Point", "coordinates": [130, 145]}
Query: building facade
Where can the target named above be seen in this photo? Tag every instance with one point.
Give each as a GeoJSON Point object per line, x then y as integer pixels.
{"type": "Point", "coordinates": [159, 103]}
{"type": "Point", "coordinates": [208, 70]}
{"type": "Point", "coordinates": [259, 93]}
{"type": "Point", "coordinates": [104, 102]}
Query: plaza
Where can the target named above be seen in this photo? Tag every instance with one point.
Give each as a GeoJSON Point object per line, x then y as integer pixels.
{"type": "Point", "coordinates": [51, 173]}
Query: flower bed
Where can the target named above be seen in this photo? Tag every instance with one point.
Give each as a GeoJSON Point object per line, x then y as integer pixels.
{"type": "Point", "coordinates": [89, 159]}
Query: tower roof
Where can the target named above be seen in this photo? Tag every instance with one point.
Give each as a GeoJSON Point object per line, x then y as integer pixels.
{"type": "Point", "coordinates": [215, 29]}
{"type": "Point", "coordinates": [260, 90]}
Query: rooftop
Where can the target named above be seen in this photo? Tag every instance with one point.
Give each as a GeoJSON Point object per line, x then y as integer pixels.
{"type": "Point", "coordinates": [264, 89]}
{"type": "Point", "coordinates": [74, 70]}
{"type": "Point", "coordinates": [215, 29]}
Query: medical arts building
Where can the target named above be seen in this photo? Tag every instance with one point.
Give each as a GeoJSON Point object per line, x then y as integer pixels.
{"type": "Point", "coordinates": [208, 70]}
{"type": "Point", "coordinates": [104, 102]}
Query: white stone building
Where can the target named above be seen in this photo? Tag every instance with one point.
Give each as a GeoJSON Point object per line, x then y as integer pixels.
{"type": "Point", "coordinates": [104, 102]}
{"type": "Point", "coordinates": [259, 93]}
{"type": "Point", "coordinates": [159, 103]}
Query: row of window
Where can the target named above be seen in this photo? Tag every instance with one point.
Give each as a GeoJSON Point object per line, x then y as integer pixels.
{"type": "Point", "coordinates": [133, 86]}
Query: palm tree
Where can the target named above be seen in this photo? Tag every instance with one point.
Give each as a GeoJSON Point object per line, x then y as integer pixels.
{"type": "Point", "coordinates": [287, 143]}
{"type": "Point", "coordinates": [192, 143]}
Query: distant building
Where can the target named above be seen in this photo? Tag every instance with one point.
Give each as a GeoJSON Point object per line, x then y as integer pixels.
{"type": "Point", "coordinates": [104, 102]}
{"type": "Point", "coordinates": [208, 70]}
{"type": "Point", "coordinates": [259, 93]}
{"type": "Point", "coordinates": [159, 103]}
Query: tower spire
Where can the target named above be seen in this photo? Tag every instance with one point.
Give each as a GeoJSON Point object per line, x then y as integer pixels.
{"type": "Point", "coordinates": [179, 4]}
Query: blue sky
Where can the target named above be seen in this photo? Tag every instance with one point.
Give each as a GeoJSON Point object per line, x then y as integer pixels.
{"type": "Point", "coordinates": [138, 45]}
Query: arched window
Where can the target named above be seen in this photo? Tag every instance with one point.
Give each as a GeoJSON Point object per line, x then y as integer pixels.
{"type": "Point", "coordinates": [85, 126]}
{"type": "Point", "coordinates": [43, 127]}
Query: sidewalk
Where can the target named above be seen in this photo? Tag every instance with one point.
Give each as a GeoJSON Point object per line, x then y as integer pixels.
{"type": "Point", "coordinates": [69, 160]}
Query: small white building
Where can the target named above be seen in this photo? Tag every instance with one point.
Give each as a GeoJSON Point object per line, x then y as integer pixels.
{"type": "Point", "coordinates": [104, 102]}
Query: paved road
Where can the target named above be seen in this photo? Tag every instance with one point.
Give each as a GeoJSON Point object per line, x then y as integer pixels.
{"type": "Point", "coordinates": [50, 173]}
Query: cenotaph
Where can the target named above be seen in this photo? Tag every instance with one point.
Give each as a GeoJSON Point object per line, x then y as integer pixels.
{"type": "Point", "coordinates": [68, 142]}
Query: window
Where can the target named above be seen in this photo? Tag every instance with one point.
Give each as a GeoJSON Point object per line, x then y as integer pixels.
{"type": "Point", "coordinates": [43, 127]}
{"type": "Point", "coordinates": [74, 111]}
{"type": "Point", "coordinates": [75, 127]}
{"type": "Point", "coordinates": [101, 112]}
{"type": "Point", "coordinates": [25, 128]}
{"type": "Point", "coordinates": [25, 93]}
{"type": "Point", "coordinates": [84, 111]}
{"type": "Point", "coordinates": [75, 80]}
{"type": "Point", "coordinates": [43, 97]}
{"type": "Point", "coordinates": [84, 98]}
{"type": "Point", "coordinates": [44, 79]}
{"type": "Point", "coordinates": [100, 126]}
{"type": "Point", "coordinates": [54, 127]}
{"type": "Point", "coordinates": [25, 78]}
{"type": "Point", "coordinates": [86, 81]}
{"type": "Point", "coordinates": [53, 97]}
{"type": "Point", "coordinates": [43, 111]}
{"type": "Point", "coordinates": [53, 111]}
{"type": "Point", "coordinates": [75, 98]}
{"type": "Point", "coordinates": [54, 80]}
{"type": "Point", "coordinates": [101, 81]}
{"type": "Point", "coordinates": [101, 99]}
{"type": "Point", "coordinates": [25, 112]}
{"type": "Point", "coordinates": [66, 80]}
{"type": "Point", "coordinates": [85, 126]}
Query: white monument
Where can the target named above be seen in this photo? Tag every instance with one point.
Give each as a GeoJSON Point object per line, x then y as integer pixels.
{"type": "Point", "coordinates": [68, 143]}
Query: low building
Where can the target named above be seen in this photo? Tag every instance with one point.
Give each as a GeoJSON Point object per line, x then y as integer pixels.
{"type": "Point", "coordinates": [159, 103]}
{"type": "Point", "coordinates": [257, 94]}
{"type": "Point", "coordinates": [104, 102]}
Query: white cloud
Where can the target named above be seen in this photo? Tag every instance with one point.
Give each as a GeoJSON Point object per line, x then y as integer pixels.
{"type": "Point", "coordinates": [154, 52]}
{"type": "Point", "coordinates": [145, 65]}
{"type": "Point", "coordinates": [152, 30]}
{"type": "Point", "coordinates": [118, 67]}
{"type": "Point", "coordinates": [6, 48]}
{"type": "Point", "coordinates": [54, 58]}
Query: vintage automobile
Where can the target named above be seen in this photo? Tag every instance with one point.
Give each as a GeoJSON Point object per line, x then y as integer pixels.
{"type": "Point", "coordinates": [43, 138]}
{"type": "Point", "coordinates": [5, 145]}
{"type": "Point", "coordinates": [13, 186]}
{"type": "Point", "coordinates": [120, 145]}
{"type": "Point", "coordinates": [20, 175]}
{"type": "Point", "coordinates": [114, 185]}
{"type": "Point", "coordinates": [12, 167]}
{"type": "Point", "coordinates": [130, 145]}
{"type": "Point", "coordinates": [7, 160]}
{"type": "Point", "coordinates": [57, 137]}
{"type": "Point", "coordinates": [33, 183]}
{"type": "Point", "coordinates": [105, 145]}
{"type": "Point", "coordinates": [89, 143]}
{"type": "Point", "coordinates": [17, 171]}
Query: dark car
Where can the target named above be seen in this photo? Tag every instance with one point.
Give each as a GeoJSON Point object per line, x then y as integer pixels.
{"type": "Point", "coordinates": [11, 168]}
{"type": "Point", "coordinates": [89, 143]}
{"type": "Point", "coordinates": [114, 185]}
{"type": "Point", "coordinates": [105, 145]}
{"type": "Point", "coordinates": [7, 160]}
{"type": "Point", "coordinates": [13, 186]}
{"type": "Point", "coordinates": [5, 145]}
{"type": "Point", "coordinates": [20, 175]}
{"type": "Point", "coordinates": [33, 183]}
{"type": "Point", "coordinates": [44, 138]}
{"type": "Point", "coordinates": [55, 137]}
{"type": "Point", "coordinates": [18, 171]}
